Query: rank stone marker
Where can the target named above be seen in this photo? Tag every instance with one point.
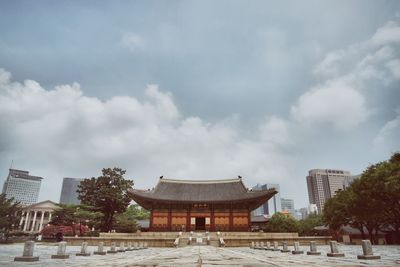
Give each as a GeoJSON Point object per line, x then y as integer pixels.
{"type": "Point", "coordinates": [285, 248]}
{"type": "Point", "coordinates": [129, 246]}
{"type": "Point", "coordinates": [276, 248]}
{"type": "Point", "coordinates": [334, 250]}
{"type": "Point", "coordinates": [367, 251]}
{"type": "Point", "coordinates": [27, 255]}
{"type": "Point", "coordinates": [100, 249]}
{"type": "Point", "coordinates": [84, 251]}
{"type": "Point", "coordinates": [121, 247]}
{"type": "Point", "coordinates": [268, 246]}
{"type": "Point", "coordinates": [313, 249]}
{"type": "Point", "coordinates": [62, 246]}
{"type": "Point", "coordinates": [297, 249]}
{"type": "Point", "coordinates": [113, 248]}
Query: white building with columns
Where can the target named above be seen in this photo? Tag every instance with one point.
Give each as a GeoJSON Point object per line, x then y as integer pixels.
{"type": "Point", "coordinates": [37, 216]}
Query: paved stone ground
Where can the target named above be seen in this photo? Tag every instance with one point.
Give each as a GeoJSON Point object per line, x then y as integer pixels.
{"type": "Point", "coordinates": [201, 256]}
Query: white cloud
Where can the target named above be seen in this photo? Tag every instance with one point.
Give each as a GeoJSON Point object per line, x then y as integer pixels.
{"type": "Point", "coordinates": [390, 132]}
{"type": "Point", "coordinates": [62, 132]}
{"type": "Point", "coordinates": [132, 41]}
{"type": "Point", "coordinates": [346, 76]}
{"type": "Point", "coordinates": [388, 34]}
{"type": "Point", "coordinates": [334, 103]}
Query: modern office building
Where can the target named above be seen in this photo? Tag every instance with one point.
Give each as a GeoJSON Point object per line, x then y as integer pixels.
{"type": "Point", "coordinates": [273, 205]}
{"type": "Point", "coordinates": [21, 186]}
{"type": "Point", "coordinates": [287, 206]}
{"type": "Point", "coordinates": [69, 195]}
{"type": "Point", "coordinates": [323, 184]}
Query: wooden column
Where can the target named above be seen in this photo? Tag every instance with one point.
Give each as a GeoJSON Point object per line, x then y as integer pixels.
{"type": "Point", "coordinates": [188, 219]}
{"type": "Point", "coordinates": [212, 219]}
{"type": "Point", "coordinates": [230, 218]}
{"type": "Point", "coordinates": [249, 220]}
{"type": "Point", "coordinates": [169, 218]}
{"type": "Point", "coordinates": [151, 219]}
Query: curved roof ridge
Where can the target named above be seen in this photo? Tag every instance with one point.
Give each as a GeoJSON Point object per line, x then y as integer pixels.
{"type": "Point", "coordinates": [220, 181]}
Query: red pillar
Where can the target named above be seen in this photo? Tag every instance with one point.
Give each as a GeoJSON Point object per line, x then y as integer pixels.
{"type": "Point", "coordinates": [230, 218]}
{"type": "Point", "coordinates": [169, 219]}
{"type": "Point", "coordinates": [249, 220]}
{"type": "Point", "coordinates": [212, 219]}
{"type": "Point", "coordinates": [188, 220]}
{"type": "Point", "coordinates": [151, 220]}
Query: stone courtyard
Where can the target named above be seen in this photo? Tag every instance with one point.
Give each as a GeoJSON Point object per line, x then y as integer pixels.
{"type": "Point", "coordinates": [200, 256]}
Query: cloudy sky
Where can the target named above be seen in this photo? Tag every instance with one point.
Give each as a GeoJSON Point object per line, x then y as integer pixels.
{"type": "Point", "coordinates": [198, 89]}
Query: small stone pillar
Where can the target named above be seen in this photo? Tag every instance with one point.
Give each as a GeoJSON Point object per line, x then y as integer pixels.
{"type": "Point", "coordinates": [367, 251]}
{"type": "Point", "coordinates": [121, 247]}
{"type": "Point", "coordinates": [113, 248]}
{"type": "Point", "coordinates": [276, 246]}
{"type": "Point", "coordinates": [135, 245]}
{"type": "Point", "coordinates": [284, 247]}
{"type": "Point", "coordinates": [257, 245]}
{"type": "Point", "coordinates": [84, 251]}
{"type": "Point", "coordinates": [129, 246]}
{"type": "Point", "coordinates": [313, 249]}
{"type": "Point", "coordinates": [252, 244]}
{"type": "Point", "coordinates": [100, 249]}
{"type": "Point", "coordinates": [297, 249]}
{"type": "Point", "coordinates": [268, 246]}
{"type": "Point", "coordinates": [334, 250]}
{"type": "Point", "coordinates": [62, 247]}
{"type": "Point", "coordinates": [27, 255]}
{"type": "Point", "coordinates": [145, 245]}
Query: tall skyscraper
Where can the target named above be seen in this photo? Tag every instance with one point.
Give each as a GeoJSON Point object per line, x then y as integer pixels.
{"type": "Point", "coordinates": [287, 205]}
{"type": "Point", "coordinates": [323, 184]}
{"type": "Point", "coordinates": [273, 205]}
{"type": "Point", "coordinates": [68, 191]}
{"type": "Point", "coordinates": [22, 187]}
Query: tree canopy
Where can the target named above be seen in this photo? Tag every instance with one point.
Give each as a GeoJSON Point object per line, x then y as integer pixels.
{"type": "Point", "coordinates": [107, 193]}
{"type": "Point", "coordinates": [282, 223]}
{"type": "Point", "coordinates": [371, 202]}
{"type": "Point", "coordinates": [10, 212]}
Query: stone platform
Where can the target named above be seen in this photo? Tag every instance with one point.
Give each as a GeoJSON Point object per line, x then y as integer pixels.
{"type": "Point", "coordinates": [166, 239]}
{"type": "Point", "coordinates": [192, 256]}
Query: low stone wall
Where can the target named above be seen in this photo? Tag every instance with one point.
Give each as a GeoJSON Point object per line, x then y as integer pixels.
{"type": "Point", "coordinates": [94, 241]}
{"type": "Point", "coordinates": [166, 239]}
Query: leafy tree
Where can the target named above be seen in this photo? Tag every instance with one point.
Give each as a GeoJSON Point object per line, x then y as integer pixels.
{"type": "Point", "coordinates": [10, 214]}
{"type": "Point", "coordinates": [74, 216]}
{"type": "Point", "coordinates": [372, 201]}
{"type": "Point", "coordinates": [336, 211]}
{"type": "Point", "coordinates": [282, 223]}
{"type": "Point", "coordinates": [64, 216]}
{"type": "Point", "coordinates": [126, 222]}
{"type": "Point", "coordinates": [306, 226]}
{"type": "Point", "coordinates": [136, 212]}
{"type": "Point", "coordinates": [107, 193]}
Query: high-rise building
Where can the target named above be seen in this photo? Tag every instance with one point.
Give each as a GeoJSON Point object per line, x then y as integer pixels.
{"type": "Point", "coordinates": [68, 191]}
{"type": "Point", "coordinates": [323, 184]}
{"type": "Point", "coordinates": [23, 187]}
{"type": "Point", "coordinates": [287, 206]}
{"type": "Point", "coordinates": [273, 205]}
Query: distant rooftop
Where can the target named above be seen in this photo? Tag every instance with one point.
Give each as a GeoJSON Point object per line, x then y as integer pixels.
{"type": "Point", "coordinates": [23, 175]}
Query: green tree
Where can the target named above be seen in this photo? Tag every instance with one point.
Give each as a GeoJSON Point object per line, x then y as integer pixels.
{"type": "Point", "coordinates": [136, 212]}
{"type": "Point", "coordinates": [282, 223]}
{"type": "Point", "coordinates": [306, 226]}
{"type": "Point", "coordinates": [372, 201]}
{"type": "Point", "coordinates": [126, 222]}
{"type": "Point", "coordinates": [107, 193]}
{"type": "Point", "coordinates": [65, 216]}
{"type": "Point", "coordinates": [336, 211]}
{"type": "Point", "coordinates": [10, 214]}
